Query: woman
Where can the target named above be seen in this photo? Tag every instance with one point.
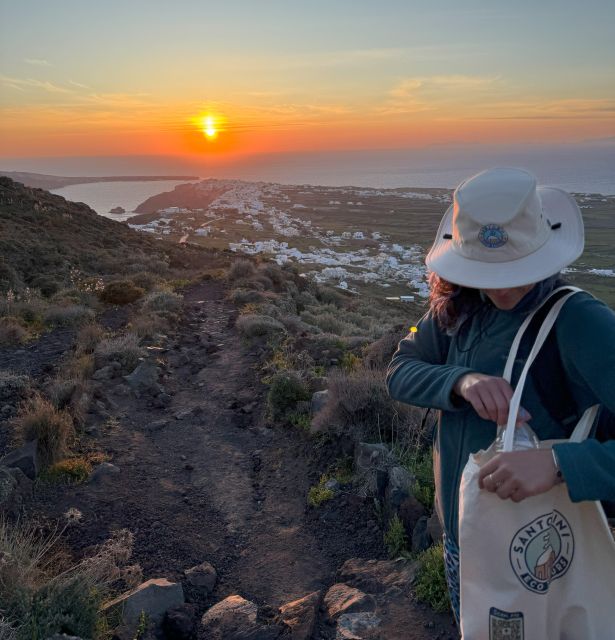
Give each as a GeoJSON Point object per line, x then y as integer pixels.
{"type": "Point", "coordinates": [497, 255]}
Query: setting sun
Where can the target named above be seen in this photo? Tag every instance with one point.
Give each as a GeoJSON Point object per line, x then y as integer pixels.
{"type": "Point", "coordinates": [208, 127]}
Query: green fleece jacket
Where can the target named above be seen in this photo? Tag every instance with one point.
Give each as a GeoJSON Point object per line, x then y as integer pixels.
{"type": "Point", "coordinates": [429, 362]}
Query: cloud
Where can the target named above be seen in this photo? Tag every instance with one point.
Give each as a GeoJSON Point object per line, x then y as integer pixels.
{"type": "Point", "coordinates": [38, 62]}
{"type": "Point", "coordinates": [21, 84]}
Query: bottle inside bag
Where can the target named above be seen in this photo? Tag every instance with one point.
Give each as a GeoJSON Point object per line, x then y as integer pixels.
{"type": "Point", "coordinates": [524, 438]}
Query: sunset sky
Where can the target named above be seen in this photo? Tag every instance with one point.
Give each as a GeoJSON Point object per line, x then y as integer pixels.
{"type": "Point", "coordinates": [84, 78]}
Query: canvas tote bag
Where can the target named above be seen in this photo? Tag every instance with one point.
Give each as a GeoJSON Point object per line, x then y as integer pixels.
{"type": "Point", "coordinates": [540, 569]}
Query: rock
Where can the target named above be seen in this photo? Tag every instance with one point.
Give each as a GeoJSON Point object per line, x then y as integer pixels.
{"type": "Point", "coordinates": [300, 615]}
{"type": "Point", "coordinates": [24, 458]}
{"type": "Point", "coordinates": [434, 528]}
{"type": "Point", "coordinates": [342, 598]}
{"type": "Point", "coordinates": [162, 400]}
{"type": "Point", "coordinates": [183, 414]}
{"type": "Point", "coordinates": [202, 577]}
{"type": "Point", "coordinates": [410, 511]}
{"type": "Point", "coordinates": [378, 576]}
{"type": "Point", "coordinates": [156, 425]}
{"type": "Point", "coordinates": [103, 471]}
{"type": "Point", "coordinates": [154, 598]}
{"type": "Point", "coordinates": [225, 619]}
{"type": "Point", "coordinates": [104, 373]}
{"type": "Point", "coordinates": [352, 626]}
{"type": "Point", "coordinates": [421, 539]}
{"type": "Point", "coordinates": [248, 408]}
{"type": "Point", "coordinates": [7, 411]}
{"type": "Point", "coordinates": [399, 487]}
{"type": "Point", "coordinates": [180, 622]}
{"type": "Point", "coordinates": [319, 400]}
{"type": "Point", "coordinates": [332, 484]}
{"type": "Point", "coordinates": [117, 210]}
{"type": "Point", "coordinates": [257, 632]}
{"type": "Point", "coordinates": [144, 379]}
{"type": "Point", "coordinates": [368, 456]}
{"type": "Point", "coordinates": [15, 488]}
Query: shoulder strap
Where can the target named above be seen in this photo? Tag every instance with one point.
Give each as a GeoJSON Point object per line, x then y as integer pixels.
{"type": "Point", "coordinates": [582, 429]}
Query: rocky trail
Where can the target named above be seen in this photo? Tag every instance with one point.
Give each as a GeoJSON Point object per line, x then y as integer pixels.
{"type": "Point", "coordinates": [198, 476]}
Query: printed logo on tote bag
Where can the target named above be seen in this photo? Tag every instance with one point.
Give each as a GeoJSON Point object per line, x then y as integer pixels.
{"type": "Point", "coordinates": [504, 625]}
{"type": "Point", "coordinates": [542, 551]}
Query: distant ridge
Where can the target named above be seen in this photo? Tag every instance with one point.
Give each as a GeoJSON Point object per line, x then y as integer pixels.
{"type": "Point", "coordinates": [44, 181]}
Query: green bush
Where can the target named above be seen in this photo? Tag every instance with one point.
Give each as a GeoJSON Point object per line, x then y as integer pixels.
{"type": "Point", "coordinates": [430, 584]}
{"type": "Point", "coordinates": [254, 326]}
{"type": "Point", "coordinates": [241, 269]}
{"type": "Point", "coordinates": [68, 316]}
{"type": "Point", "coordinates": [121, 292]}
{"type": "Point", "coordinates": [164, 301]}
{"type": "Point", "coordinates": [396, 539]}
{"type": "Point", "coordinates": [124, 349]}
{"type": "Point", "coordinates": [319, 493]}
{"type": "Point", "coordinates": [285, 390]}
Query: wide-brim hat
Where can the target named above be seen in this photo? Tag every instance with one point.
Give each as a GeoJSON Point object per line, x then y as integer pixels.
{"type": "Point", "coordinates": [502, 231]}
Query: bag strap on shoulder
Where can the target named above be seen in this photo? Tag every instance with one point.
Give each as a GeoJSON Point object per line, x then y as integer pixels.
{"type": "Point", "coordinates": [583, 427]}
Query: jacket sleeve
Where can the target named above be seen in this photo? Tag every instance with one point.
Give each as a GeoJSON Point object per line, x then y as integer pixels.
{"type": "Point", "coordinates": [586, 338]}
{"type": "Point", "coordinates": [418, 373]}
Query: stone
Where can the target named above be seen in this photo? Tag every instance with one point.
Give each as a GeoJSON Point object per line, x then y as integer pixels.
{"type": "Point", "coordinates": [24, 458]}
{"type": "Point", "coordinates": [156, 425]}
{"type": "Point", "coordinates": [202, 577]}
{"type": "Point", "coordinates": [319, 400]}
{"type": "Point", "coordinates": [434, 528]}
{"type": "Point", "coordinates": [144, 379]}
{"type": "Point", "coordinates": [369, 456]}
{"type": "Point", "coordinates": [225, 619]}
{"type": "Point", "coordinates": [342, 598]}
{"type": "Point", "coordinates": [184, 413]}
{"type": "Point", "coordinates": [180, 622]}
{"type": "Point", "coordinates": [378, 576]}
{"type": "Point", "coordinates": [410, 511]}
{"type": "Point", "coordinates": [352, 626]}
{"type": "Point", "coordinates": [300, 615]}
{"type": "Point", "coordinates": [154, 598]}
{"type": "Point", "coordinates": [399, 486]}
{"type": "Point", "coordinates": [104, 373]}
{"type": "Point", "coordinates": [103, 471]}
{"type": "Point", "coordinates": [421, 539]}
{"type": "Point", "coordinates": [332, 484]}
{"type": "Point", "coordinates": [15, 488]}
{"type": "Point", "coordinates": [162, 400]}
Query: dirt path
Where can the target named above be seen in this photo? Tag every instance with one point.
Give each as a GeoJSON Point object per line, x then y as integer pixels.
{"type": "Point", "coordinates": [217, 484]}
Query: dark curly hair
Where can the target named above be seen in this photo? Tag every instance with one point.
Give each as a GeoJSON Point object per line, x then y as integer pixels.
{"type": "Point", "coordinates": [451, 303]}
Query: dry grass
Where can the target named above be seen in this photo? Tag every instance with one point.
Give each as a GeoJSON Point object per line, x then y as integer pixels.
{"type": "Point", "coordinates": [254, 326]}
{"type": "Point", "coordinates": [378, 354]}
{"type": "Point", "coordinates": [88, 337]}
{"type": "Point", "coordinates": [148, 326]}
{"type": "Point", "coordinates": [163, 301]}
{"type": "Point", "coordinates": [241, 269]}
{"type": "Point", "coordinates": [360, 406]}
{"type": "Point", "coordinates": [11, 331]}
{"type": "Point", "coordinates": [39, 420]}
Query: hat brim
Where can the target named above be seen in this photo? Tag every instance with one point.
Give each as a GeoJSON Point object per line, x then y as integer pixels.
{"type": "Point", "coordinates": [562, 248]}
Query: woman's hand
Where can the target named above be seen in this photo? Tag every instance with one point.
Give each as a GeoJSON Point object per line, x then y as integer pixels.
{"type": "Point", "coordinates": [519, 474]}
{"type": "Point", "coordinates": [489, 395]}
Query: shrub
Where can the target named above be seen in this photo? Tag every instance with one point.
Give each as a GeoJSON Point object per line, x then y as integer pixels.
{"type": "Point", "coordinates": [39, 420]}
{"type": "Point", "coordinates": [241, 269]}
{"type": "Point", "coordinates": [145, 280]}
{"type": "Point", "coordinates": [75, 470]}
{"type": "Point", "coordinates": [253, 326]}
{"type": "Point", "coordinates": [87, 338]}
{"type": "Point", "coordinates": [14, 386]}
{"type": "Point", "coordinates": [149, 326]}
{"type": "Point", "coordinates": [378, 354]}
{"type": "Point", "coordinates": [273, 273]}
{"type": "Point", "coordinates": [124, 349]}
{"type": "Point", "coordinates": [11, 331]}
{"type": "Point", "coordinates": [165, 301]}
{"type": "Point", "coordinates": [246, 296]}
{"type": "Point", "coordinates": [285, 390]}
{"type": "Point", "coordinates": [419, 462]}
{"type": "Point", "coordinates": [430, 586]}
{"type": "Point", "coordinates": [359, 405]}
{"type": "Point", "coordinates": [300, 420]}
{"type": "Point", "coordinates": [42, 593]}
{"type": "Point", "coordinates": [395, 538]}
{"type": "Point", "coordinates": [121, 292]}
{"type": "Point", "coordinates": [70, 315]}
{"type": "Point", "coordinates": [319, 493]}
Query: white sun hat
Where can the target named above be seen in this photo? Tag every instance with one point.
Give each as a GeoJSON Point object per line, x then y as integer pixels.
{"type": "Point", "coordinates": [503, 231]}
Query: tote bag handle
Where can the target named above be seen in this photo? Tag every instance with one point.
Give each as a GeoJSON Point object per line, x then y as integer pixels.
{"type": "Point", "coordinates": [583, 427]}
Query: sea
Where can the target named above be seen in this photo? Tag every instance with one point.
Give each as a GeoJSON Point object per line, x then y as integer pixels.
{"type": "Point", "coordinates": [577, 168]}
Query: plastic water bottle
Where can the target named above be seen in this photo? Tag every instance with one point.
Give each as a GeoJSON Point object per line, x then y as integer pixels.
{"type": "Point", "coordinates": [524, 437]}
